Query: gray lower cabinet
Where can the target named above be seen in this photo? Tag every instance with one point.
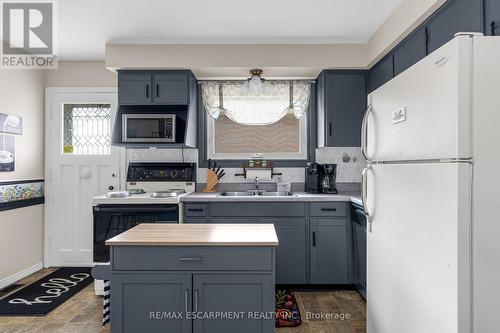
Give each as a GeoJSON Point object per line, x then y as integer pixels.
{"type": "Point", "coordinates": [314, 242]}
{"type": "Point", "coordinates": [223, 220]}
{"type": "Point", "coordinates": [291, 254]}
{"type": "Point", "coordinates": [359, 254]}
{"type": "Point", "coordinates": [238, 294]}
{"type": "Point", "coordinates": [329, 257]}
{"type": "Point", "coordinates": [140, 299]}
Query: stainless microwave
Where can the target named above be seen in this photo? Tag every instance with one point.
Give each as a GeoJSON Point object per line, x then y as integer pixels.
{"type": "Point", "coordinates": [148, 128]}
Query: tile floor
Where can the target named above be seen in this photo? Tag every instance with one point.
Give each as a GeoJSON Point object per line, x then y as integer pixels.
{"type": "Point", "coordinates": [83, 313]}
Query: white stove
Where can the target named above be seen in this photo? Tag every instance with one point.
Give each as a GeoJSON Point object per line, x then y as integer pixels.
{"type": "Point", "coordinates": [153, 183]}
{"type": "Point", "coordinates": [152, 195]}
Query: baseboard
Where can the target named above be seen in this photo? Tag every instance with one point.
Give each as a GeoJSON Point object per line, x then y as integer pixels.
{"type": "Point", "coordinates": [20, 275]}
{"type": "Point", "coordinates": [70, 264]}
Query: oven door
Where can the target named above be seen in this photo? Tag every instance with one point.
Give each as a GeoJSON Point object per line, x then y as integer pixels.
{"type": "Point", "coordinates": [111, 220]}
{"type": "Point", "coordinates": [148, 128]}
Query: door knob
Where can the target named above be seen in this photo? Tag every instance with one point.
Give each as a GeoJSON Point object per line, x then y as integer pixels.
{"type": "Point", "coordinates": [111, 187]}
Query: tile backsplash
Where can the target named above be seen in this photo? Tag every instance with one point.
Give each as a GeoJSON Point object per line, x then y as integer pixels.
{"type": "Point", "coordinates": [349, 160]}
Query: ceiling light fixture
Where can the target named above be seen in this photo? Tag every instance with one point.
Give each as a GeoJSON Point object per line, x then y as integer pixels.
{"type": "Point", "coordinates": [256, 82]}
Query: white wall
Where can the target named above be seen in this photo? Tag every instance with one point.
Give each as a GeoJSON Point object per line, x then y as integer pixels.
{"type": "Point", "coordinates": [21, 230]}
{"type": "Point", "coordinates": [80, 74]}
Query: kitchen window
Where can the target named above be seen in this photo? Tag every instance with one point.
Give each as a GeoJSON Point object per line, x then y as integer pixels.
{"type": "Point", "coordinates": [243, 125]}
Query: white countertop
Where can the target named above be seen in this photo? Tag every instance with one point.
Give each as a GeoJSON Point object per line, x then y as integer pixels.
{"type": "Point", "coordinates": [298, 196]}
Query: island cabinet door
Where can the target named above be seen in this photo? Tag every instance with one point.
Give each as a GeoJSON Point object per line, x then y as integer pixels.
{"type": "Point", "coordinates": [151, 303]}
{"type": "Point", "coordinates": [243, 303]}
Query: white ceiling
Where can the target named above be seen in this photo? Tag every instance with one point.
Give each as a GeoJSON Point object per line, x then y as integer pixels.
{"type": "Point", "coordinates": [85, 26]}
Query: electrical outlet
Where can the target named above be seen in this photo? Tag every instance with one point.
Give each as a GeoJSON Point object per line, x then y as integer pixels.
{"type": "Point", "coordinates": [399, 115]}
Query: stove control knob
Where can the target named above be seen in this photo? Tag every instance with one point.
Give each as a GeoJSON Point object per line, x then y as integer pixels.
{"type": "Point", "coordinates": [173, 173]}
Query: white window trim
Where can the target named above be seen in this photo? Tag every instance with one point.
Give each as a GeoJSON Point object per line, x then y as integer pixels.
{"type": "Point", "coordinates": [301, 155]}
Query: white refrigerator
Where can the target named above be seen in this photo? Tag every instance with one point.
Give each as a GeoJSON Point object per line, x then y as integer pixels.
{"type": "Point", "coordinates": [432, 139]}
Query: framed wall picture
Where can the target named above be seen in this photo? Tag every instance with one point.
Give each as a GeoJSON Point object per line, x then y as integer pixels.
{"type": "Point", "coordinates": [7, 152]}
{"type": "Point", "coordinates": [11, 124]}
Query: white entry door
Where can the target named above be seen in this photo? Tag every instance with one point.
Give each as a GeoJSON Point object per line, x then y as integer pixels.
{"type": "Point", "coordinates": [80, 164]}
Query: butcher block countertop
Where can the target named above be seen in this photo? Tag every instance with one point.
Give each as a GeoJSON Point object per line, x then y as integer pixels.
{"type": "Point", "coordinates": [159, 234]}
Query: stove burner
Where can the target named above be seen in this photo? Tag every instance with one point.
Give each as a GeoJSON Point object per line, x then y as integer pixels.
{"type": "Point", "coordinates": [137, 191]}
{"type": "Point", "coordinates": [118, 194]}
{"type": "Point", "coordinates": [168, 193]}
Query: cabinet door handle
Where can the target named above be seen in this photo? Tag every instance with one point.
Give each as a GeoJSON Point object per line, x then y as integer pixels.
{"type": "Point", "coordinates": [329, 129]}
{"type": "Point", "coordinates": [314, 238]}
{"type": "Point", "coordinates": [195, 209]}
{"type": "Point", "coordinates": [157, 90]}
{"type": "Point", "coordinates": [186, 300]}
{"type": "Point", "coordinates": [147, 90]}
{"type": "Point", "coordinates": [195, 300]}
{"type": "Point", "coordinates": [191, 259]}
{"type": "Point", "coordinates": [427, 39]}
{"type": "Point", "coordinates": [329, 209]}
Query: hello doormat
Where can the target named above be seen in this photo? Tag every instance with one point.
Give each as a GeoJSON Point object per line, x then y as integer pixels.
{"type": "Point", "coordinates": [41, 297]}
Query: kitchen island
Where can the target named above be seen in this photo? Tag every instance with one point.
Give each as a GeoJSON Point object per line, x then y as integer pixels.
{"type": "Point", "coordinates": [211, 278]}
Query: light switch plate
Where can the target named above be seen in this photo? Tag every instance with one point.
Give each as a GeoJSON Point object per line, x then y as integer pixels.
{"type": "Point", "coordinates": [399, 115]}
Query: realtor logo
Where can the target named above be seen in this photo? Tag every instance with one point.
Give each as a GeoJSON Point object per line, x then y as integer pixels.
{"type": "Point", "coordinates": [28, 35]}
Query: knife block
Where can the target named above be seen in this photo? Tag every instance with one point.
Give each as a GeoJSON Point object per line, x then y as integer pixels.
{"type": "Point", "coordinates": [212, 181]}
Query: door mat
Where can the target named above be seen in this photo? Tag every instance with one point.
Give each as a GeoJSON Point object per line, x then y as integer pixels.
{"type": "Point", "coordinates": [42, 296]}
{"type": "Point", "coordinates": [287, 310]}
{"type": "Point", "coordinates": [10, 289]}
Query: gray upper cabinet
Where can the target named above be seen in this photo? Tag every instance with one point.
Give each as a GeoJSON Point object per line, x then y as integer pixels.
{"type": "Point", "coordinates": [341, 103]}
{"type": "Point", "coordinates": [329, 257]}
{"type": "Point", "coordinates": [134, 88]}
{"type": "Point", "coordinates": [413, 49]}
{"type": "Point", "coordinates": [455, 16]}
{"type": "Point", "coordinates": [232, 293]}
{"type": "Point", "coordinates": [171, 89]}
{"type": "Point", "coordinates": [492, 20]}
{"type": "Point", "coordinates": [382, 72]}
{"type": "Point", "coordinates": [291, 254]}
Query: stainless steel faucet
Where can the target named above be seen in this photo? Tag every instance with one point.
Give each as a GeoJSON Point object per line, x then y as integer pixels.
{"type": "Point", "coordinates": [256, 183]}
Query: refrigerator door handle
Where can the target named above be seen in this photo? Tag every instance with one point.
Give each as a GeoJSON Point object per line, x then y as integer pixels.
{"type": "Point", "coordinates": [364, 190]}
{"type": "Point", "coordinates": [364, 132]}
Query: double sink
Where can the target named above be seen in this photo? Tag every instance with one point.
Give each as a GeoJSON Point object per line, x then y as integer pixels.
{"type": "Point", "coordinates": [256, 194]}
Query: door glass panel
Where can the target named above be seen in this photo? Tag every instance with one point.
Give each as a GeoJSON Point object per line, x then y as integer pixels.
{"type": "Point", "coordinates": [87, 129]}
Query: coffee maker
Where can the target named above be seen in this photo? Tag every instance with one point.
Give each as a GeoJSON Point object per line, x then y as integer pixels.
{"type": "Point", "coordinates": [312, 180]}
{"type": "Point", "coordinates": [327, 174]}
